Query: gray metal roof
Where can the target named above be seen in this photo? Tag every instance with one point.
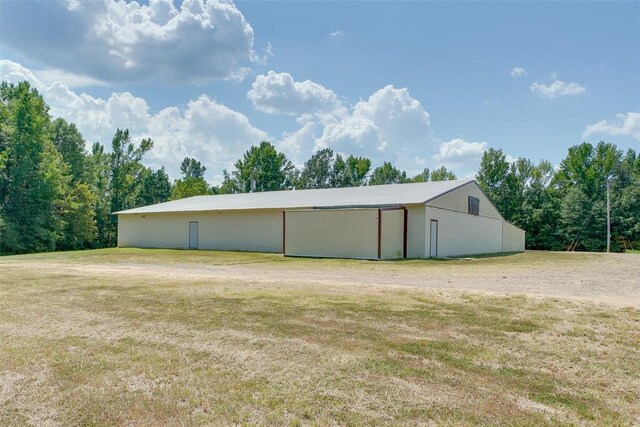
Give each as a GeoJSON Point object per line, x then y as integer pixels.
{"type": "Point", "coordinates": [369, 196]}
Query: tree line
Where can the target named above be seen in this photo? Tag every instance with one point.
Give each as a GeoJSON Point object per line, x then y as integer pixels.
{"type": "Point", "coordinates": [56, 195]}
{"type": "Point", "coordinates": [567, 207]}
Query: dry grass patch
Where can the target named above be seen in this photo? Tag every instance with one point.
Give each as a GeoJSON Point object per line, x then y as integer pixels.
{"type": "Point", "coordinates": [90, 349]}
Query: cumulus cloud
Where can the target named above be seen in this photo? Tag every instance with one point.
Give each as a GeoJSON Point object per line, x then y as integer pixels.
{"type": "Point", "coordinates": [204, 129]}
{"type": "Point", "coordinates": [299, 144]}
{"type": "Point", "coordinates": [458, 148]}
{"type": "Point", "coordinates": [108, 40]}
{"type": "Point", "coordinates": [556, 89]}
{"type": "Point", "coordinates": [461, 156]}
{"type": "Point", "coordinates": [390, 125]}
{"type": "Point", "coordinates": [355, 135]}
{"type": "Point", "coordinates": [518, 72]}
{"type": "Point", "coordinates": [626, 125]}
{"type": "Point", "coordinates": [279, 93]}
{"type": "Point", "coordinates": [337, 33]}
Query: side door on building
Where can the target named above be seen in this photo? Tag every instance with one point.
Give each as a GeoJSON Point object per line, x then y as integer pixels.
{"type": "Point", "coordinates": [193, 235]}
{"type": "Point", "coordinates": [433, 239]}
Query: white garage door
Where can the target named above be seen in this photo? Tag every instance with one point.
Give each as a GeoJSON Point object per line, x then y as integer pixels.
{"type": "Point", "coordinates": [393, 234]}
{"type": "Point", "coordinates": [367, 233]}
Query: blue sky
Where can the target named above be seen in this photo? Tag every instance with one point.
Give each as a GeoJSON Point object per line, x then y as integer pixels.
{"type": "Point", "coordinates": [416, 83]}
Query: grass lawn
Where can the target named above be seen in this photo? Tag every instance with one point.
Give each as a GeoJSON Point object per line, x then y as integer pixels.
{"type": "Point", "coordinates": [105, 348]}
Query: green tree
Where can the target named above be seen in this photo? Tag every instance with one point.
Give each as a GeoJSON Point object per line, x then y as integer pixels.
{"type": "Point", "coordinates": [192, 168]}
{"type": "Point", "coordinates": [587, 167]}
{"type": "Point", "coordinates": [156, 187]}
{"type": "Point", "coordinates": [71, 145]}
{"type": "Point", "coordinates": [513, 189]}
{"type": "Point", "coordinates": [34, 181]}
{"type": "Point", "coordinates": [581, 179]}
{"type": "Point", "coordinates": [3, 228]}
{"type": "Point", "coordinates": [189, 187]}
{"type": "Point", "coordinates": [79, 217]}
{"type": "Point", "coordinates": [387, 174]}
{"type": "Point", "coordinates": [6, 130]}
{"type": "Point", "coordinates": [193, 183]}
{"type": "Point", "coordinates": [263, 168]}
{"type": "Point", "coordinates": [581, 219]}
{"type": "Point", "coordinates": [423, 176]}
{"type": "Point", "coordinates": [539, 213]}
{"type": "Point", "coordinates": [100, 173]}
{"type": "Point", "coordinates": [317, 171]}
{"type": "Point", "coordinates": [442, 174]}
{"type": "Point", "coordinates": [351, 172]}
{"type": "Point", "coordinates": [625, 203]}
{"type": "Point", "coordinates": [492, 178]}
{"type": "Point", "coordinates": [125, 177]}
{"type": "Point", "coordinates": [229, 184]}
{"type": "Point", "coordinates": [625, 194]}
{"type": "Point", "coordinates": [522, 193]}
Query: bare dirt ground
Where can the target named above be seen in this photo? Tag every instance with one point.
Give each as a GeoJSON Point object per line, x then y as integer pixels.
{"type": "Point", "coordinates": [613, 279]}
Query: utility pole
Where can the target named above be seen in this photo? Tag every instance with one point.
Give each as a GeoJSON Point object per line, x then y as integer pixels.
{"type": "Point", "coordinates": [608, 214]}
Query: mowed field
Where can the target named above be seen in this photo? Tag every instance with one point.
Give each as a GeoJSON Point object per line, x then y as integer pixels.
{"type": "Point", "coordinates": [161, 337]}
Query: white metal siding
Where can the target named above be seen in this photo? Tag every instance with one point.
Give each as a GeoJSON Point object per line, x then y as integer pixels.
{"type": "Point", "coordinates": [349, 233]}
{"type": "Point", "coordinates": [464, 234]}
{"type": "Point", "coordinates": [458, 201]}
{"type": "Point", "coordinates": [259, 231]}
{"type": "Point", "coordinates": [154, 231]}
{"type": "Point", "coordinates": [392, 238]}
{"type": "Point", "coordinates": [512, 238]}
{"type": "Point", "coordinates": [340, 233]}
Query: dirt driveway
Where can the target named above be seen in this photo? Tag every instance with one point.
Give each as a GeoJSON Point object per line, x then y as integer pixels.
{"type": "Point", "coordinates": [605, 278]}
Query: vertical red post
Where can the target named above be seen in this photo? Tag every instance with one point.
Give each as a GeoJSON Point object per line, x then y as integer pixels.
{"type": "Point", "coordinates": [404, 247]}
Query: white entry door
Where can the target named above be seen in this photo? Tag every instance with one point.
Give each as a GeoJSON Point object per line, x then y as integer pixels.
{"type": "Point", "coordinates": [193, 235]}
{"type": "Point", "coordinates": [433, 253]}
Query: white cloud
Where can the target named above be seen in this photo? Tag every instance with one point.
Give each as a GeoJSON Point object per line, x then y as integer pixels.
{"type": "Point", "coordinates": [205, 129]}
{"type": "Point", "coordinates": [627, 125]}
{"type": "Point", "coordinates": [201, 41]}
{"type": "Point", "coordinates": [518, 72]}
{"type": "Point", "coordinates": [268, 53]}
{"type": "Point", "coordinates": [353, 135]}
{"type": "Point", "coordinates": [279, 93]}
{"type": "Point", "coordinates": [389, 126]}
{"type": "Point", "coordinates": [71, 80]}
{"type": "Point", "coordinates": [299, 144]}
{"type": "Point", "coordinates": [458, 148]}
{"type": "Point", "coordinates": [461, 156]}
{"type": "Point", "coordinates": [557, 88]}
{"type": "Point", "coordinates": [337, 33]}
{"type": "Point", "coordinates": [14, 73]}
